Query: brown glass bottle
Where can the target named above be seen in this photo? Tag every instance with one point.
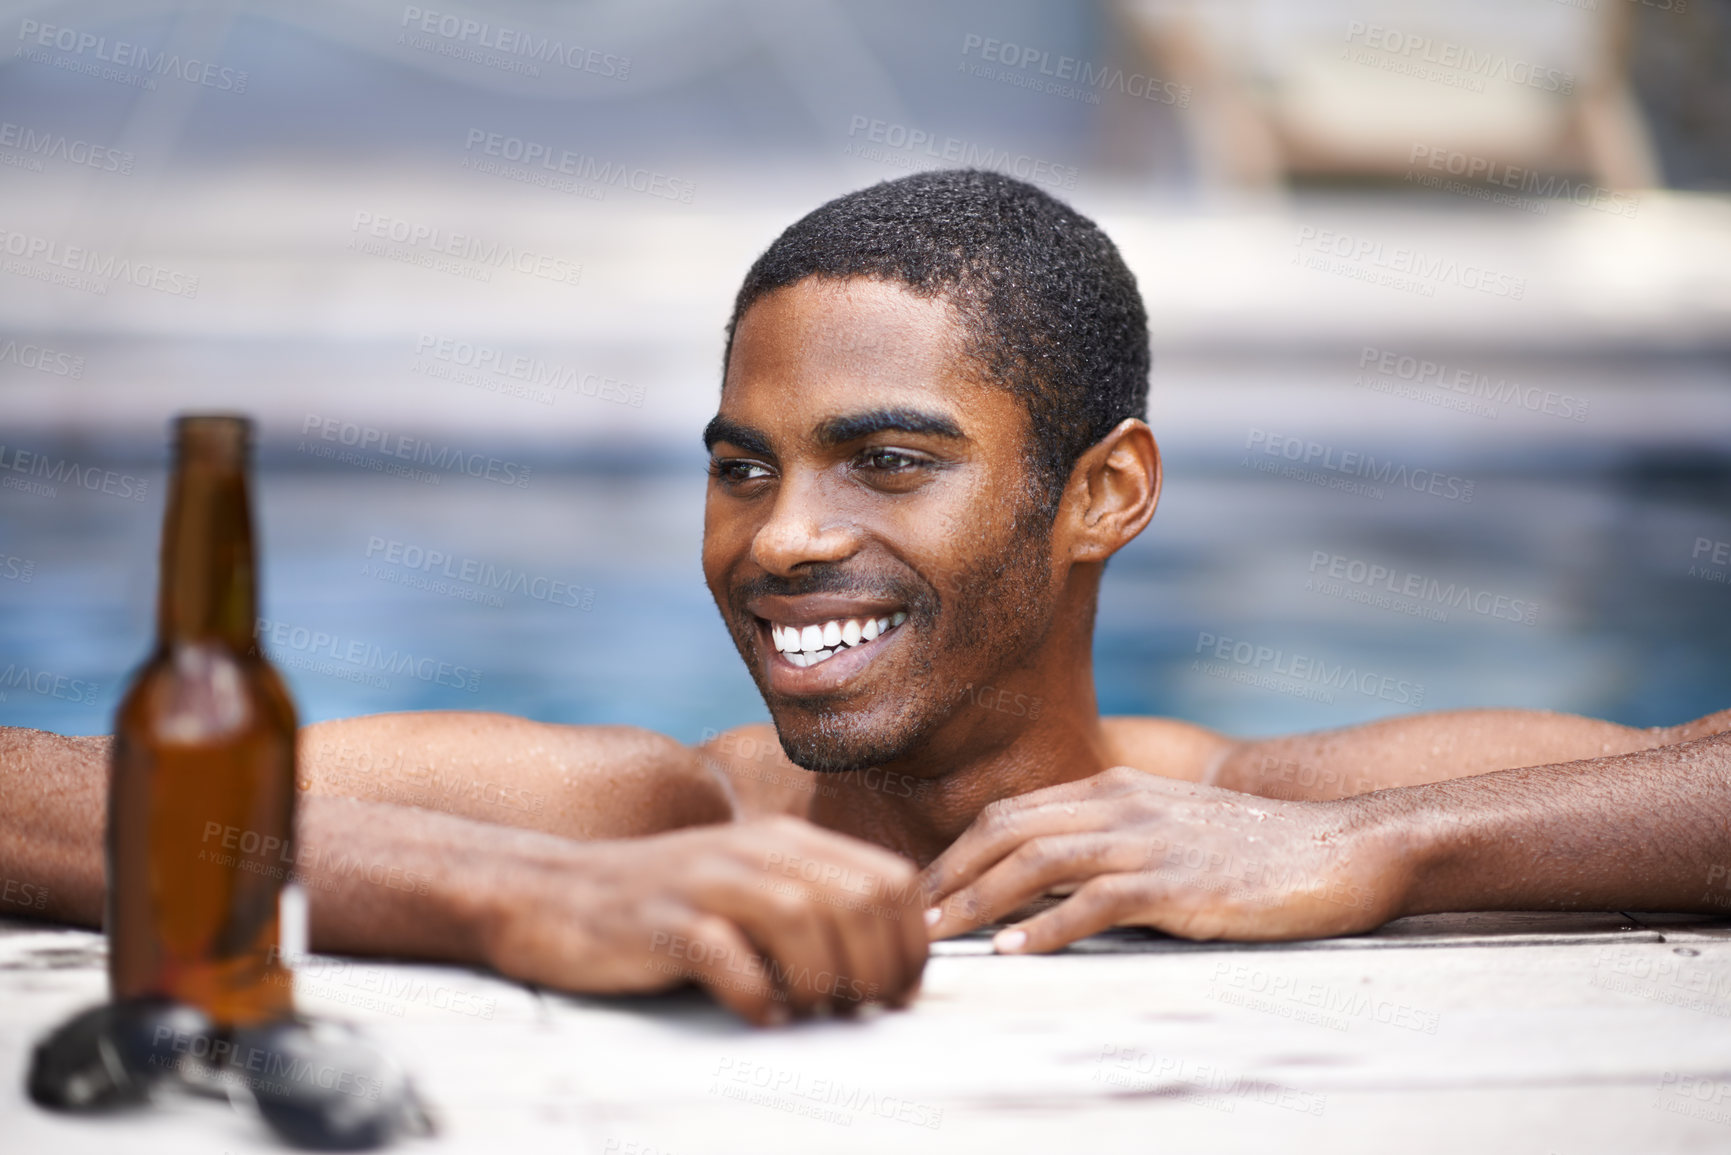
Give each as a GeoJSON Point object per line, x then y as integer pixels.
{"type": "Point", "coordinates": [201, 798]}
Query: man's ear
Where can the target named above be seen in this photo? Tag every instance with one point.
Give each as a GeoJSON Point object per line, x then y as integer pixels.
{"type": "Point", "coordinates": [1112, 492]}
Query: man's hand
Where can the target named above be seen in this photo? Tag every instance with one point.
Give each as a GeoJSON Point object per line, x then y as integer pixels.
{"type": "Point", "coordinates": [775, 917]}
{"type": "Point", "coordinates": [1135, 849]}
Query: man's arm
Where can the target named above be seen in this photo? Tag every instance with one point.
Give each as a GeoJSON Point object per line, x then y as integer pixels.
{"type": "Point", "coordinates": [1419, 748]}
{"type": "Point", "coordinates": [1646, 830]}
{"type": "Point", "coordinates": [1401, 751]}
{"type": "Point", "coordinates": [641, 912]}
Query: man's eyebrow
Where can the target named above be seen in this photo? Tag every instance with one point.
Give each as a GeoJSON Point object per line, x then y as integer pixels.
{"type": "Point", "coordinates": [723, 429]}
{"type": "Point", "coordinates": [853, 426]}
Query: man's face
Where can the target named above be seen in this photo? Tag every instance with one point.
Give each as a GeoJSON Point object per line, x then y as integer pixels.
{"type": "Point", "coordinates": [862, 475]}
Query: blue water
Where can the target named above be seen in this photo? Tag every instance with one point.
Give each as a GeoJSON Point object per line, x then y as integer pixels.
{"type": "Point", "coordinates": [1621, 630]}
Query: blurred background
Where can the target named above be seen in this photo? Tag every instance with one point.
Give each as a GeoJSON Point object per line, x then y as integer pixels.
{"type": "Point", "coordinates": [1440, 299]}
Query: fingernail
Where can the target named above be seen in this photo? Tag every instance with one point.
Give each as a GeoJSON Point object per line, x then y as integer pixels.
{"type": "Point", "coordinates": [933, 914]}
{"type": "Point", "coordinates": [1009, 941]}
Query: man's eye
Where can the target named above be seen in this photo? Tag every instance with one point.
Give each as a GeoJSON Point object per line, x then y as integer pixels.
{"type": "Point", "coordinates": [737, 470]}
{"type": "Point", "coordinates": [888, 460]}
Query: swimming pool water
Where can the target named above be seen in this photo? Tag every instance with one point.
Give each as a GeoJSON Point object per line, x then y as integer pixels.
{"type": "Point", "coordinates": [1599, 551]}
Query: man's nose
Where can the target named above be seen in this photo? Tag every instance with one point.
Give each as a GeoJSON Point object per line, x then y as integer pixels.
{"type": "Point", "coordinates": [802, 529]}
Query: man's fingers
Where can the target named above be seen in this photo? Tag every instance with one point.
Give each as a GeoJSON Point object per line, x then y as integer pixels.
{"type": "Point", "coordinates": [730, 969]}
{"type": "Point", "coordinates": [998, 831]}
{"type": "Point", "coordinates": [1102, 903]}
{"type": "Point", "coordinates": [1032, 869]}
{"type": "Point", "coordinates": [875, 903]}
{"type": "Point", "coordinates": [865, 964]}
{"type": "Point", "coordinates": [785, 925]}
{"type": "Point", "coordinates": [913, 945]}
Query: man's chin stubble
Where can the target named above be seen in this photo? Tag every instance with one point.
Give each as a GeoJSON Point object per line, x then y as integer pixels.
{"type": "Point", "coordinates": [826, 749]}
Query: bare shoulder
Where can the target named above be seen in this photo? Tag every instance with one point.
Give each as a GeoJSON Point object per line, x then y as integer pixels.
{"type": "Point", "coordinates": [481, 736]}
{"type": "Point", "coordinates": [578, 781]}
{"type": "Point", "coordinates": [762, 778]}
{"type": "Point", "coordinates": [1715, 723]}
{"type": "Point", "coordinates": [1167, 746]}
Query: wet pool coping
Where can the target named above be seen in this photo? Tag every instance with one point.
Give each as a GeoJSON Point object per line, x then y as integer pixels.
{"type": "Point", "coordinates": [1579, 1032]}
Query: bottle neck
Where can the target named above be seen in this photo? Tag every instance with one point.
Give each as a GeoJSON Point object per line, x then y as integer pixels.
{"type": "Point", "coordinates": [209, 587]}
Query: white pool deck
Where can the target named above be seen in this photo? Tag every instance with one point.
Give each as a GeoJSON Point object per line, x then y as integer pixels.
{"type": "Point", "coordinates": [1479, 1033]}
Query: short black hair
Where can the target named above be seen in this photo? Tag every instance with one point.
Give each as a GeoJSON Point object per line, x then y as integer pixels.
{"type": "Point", "coordinates": [1052, 311]}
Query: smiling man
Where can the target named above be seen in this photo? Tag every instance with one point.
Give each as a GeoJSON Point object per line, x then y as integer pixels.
{"type": "Point", "coordinates": [929, 443]}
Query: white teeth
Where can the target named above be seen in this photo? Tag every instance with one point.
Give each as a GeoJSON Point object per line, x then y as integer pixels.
{"type": "Point", "coordinates": [809, 645]}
